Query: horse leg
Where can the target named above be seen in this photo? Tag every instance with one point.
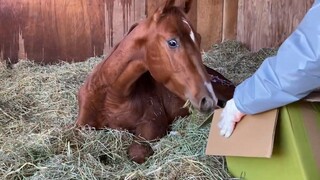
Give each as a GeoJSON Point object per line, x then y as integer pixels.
{"type": "Point", "coordinates": [89, 109]}
{"type": "Point", "coordinates": [140, 150]}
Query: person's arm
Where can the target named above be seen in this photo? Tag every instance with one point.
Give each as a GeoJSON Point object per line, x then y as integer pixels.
{"type": "Point", "coordinates": [287, 77]}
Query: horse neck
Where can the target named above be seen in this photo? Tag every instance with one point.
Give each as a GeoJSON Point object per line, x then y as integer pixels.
{"type": "Point", "coordinates": [123, 67]}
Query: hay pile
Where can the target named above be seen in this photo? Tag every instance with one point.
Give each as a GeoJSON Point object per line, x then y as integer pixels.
{"type": "Point", "coordinates": [235, 61]}
{"type": "Point", "coordinates": [38, 104]}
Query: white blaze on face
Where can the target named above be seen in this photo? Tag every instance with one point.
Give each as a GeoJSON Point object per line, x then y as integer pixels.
{"type": "Point", "coordinates": [191, 32]}
{"type": "Point", "coordinates": [210, 89]}
{"type": "Point", "coordinates": [207, 84]}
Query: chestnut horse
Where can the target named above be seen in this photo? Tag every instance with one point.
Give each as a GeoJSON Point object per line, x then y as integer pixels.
{"type": "Point", "coordinates": [144, 83]}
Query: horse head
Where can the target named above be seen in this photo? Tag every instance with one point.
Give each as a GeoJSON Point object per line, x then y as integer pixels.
{"type": "Point", "coordinates": [174, 58]}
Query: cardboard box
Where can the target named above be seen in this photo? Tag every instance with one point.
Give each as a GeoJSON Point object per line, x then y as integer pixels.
{"type": "Point", "coordinates": [262, 148]}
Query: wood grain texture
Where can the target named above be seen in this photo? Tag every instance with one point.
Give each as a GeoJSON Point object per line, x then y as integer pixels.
{"type": "Point", "coordinates": [230, 17]}
{"type": "Point", "coordinates": [9, 30]}
{"type": "Point", "coordinates": [267, 23]}
{"type": "Point", "coordinates": [47, 31]}
{"type": "Point", "coordinates": [209, 22]}
{"type": "Point", "coordinates": [64, 30]}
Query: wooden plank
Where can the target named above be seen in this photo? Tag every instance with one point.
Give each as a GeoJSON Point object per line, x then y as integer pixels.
{"type": "Point", "coordinates": [9, 30]}
{"type": "Point", "coordinates": [209, 22]}
{"type": "Point", "coordinates": [267, 23]}
{"type": "Point", "coordinates": [230, 16]}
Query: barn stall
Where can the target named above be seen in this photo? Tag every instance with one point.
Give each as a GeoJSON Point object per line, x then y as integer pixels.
{"type": "Point", "coordinates": [38, 101]}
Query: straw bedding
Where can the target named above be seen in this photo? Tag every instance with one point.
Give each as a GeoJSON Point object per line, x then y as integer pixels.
{"type": "Point", "coordinates": [38, 107]}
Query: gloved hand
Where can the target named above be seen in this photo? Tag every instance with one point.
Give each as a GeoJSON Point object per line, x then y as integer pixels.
{"type": "Point", "coordinates": [229, 117]}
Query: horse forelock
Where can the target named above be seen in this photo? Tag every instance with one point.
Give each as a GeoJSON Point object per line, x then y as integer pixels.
{"type": "Point", "coordinates": [178, 18]}
{"type": "Point", "coordinates": [173, 12]}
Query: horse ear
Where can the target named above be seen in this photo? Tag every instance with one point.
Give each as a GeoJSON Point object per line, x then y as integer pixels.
{"type": "Point", "coordinates": [159, 11]}
{"type": "Point", "coordinates": [187, 6]}
{"type": "Point", "coordinates": [169, 3]}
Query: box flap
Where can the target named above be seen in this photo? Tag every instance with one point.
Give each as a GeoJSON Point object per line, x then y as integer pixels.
{"type": "Point", "coordinates": [253, 136]}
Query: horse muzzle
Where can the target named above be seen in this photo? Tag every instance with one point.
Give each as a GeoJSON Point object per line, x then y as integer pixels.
{"type": "Point", "coordinates": [204, 100]}
{"type": "Point", "coordinates": [207, 104]}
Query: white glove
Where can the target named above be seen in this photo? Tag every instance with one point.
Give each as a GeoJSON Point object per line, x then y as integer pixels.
{"type": "Point", "coordinates": [229, 117]}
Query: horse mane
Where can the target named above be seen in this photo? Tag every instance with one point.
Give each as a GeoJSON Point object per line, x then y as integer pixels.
{"type": "Point", "coordinates": [117, 45]}
{"type": "Point", "coordinates": [129, 31]}
{"type": "Point", "coordinates": [132, 28]}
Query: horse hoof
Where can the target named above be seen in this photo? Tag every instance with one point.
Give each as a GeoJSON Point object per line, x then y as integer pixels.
{"type": "Point", "coordinates": [139, 152]}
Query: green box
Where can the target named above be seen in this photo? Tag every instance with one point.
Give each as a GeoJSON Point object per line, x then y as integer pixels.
{"type": "Point", "coordinates": [296, 153]}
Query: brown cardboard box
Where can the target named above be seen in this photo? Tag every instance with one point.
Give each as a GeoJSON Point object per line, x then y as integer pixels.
{"type": "Point", "coordinates": [253, 136]}
{"type": "Point", "coordinates": [258, 150]}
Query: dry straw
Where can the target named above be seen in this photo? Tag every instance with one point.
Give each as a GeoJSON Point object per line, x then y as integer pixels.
{"type": "Point", "coordinates": [38, 107]}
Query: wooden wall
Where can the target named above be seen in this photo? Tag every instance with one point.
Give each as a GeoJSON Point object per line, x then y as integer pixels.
{"type": "Point", "coordinates": [267, 23]}
{"type": "Point", "coordinates": [73, 30]}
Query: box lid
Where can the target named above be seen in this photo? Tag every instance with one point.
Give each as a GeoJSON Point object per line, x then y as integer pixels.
{"type": "Point", "coordinates": [253, 136]}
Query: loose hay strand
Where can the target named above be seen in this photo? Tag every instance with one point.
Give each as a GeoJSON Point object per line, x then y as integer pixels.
{"type": "Point", "coordinates": [38, 107]}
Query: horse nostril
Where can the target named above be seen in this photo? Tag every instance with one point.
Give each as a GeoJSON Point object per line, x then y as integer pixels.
{"type": "Point", "coordinates": [206, 104]}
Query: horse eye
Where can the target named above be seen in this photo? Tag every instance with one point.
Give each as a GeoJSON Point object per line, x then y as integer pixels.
{"type": "Point", "coordinates": [172, 43]}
